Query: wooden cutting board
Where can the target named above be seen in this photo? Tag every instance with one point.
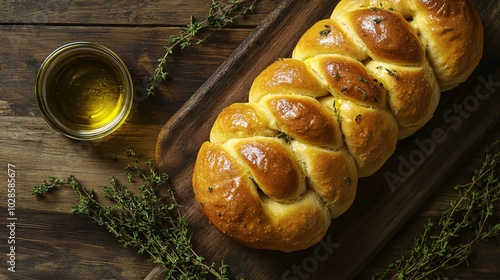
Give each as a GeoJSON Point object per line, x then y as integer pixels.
{"type": "Point", "coordinates": [384, 201]}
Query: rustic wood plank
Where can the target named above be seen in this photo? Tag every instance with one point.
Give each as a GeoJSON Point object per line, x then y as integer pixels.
{"type": "Point", "coordinates": [57, 246]}
{"type": "Point", "coordinates": [483, 262]}
{"type": "Point", "coordinates": [27, 46]}
{"type": "Point", "coordinates": [52, 244]}
{"type": "Point", "coordinates": [98, 12]}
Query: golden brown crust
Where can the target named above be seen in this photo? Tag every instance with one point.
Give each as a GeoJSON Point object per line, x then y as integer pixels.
{"type": "Point", "coordinates": [413, 94]}
{"type": "Point", "coordinates": [296, 225]}
{"type": "Point", "coordinates": [272, 166]}
{"type": "Point", "coordinates": [388, 37]}
{"type": "Point", "coordinates": [331, 174]}
{"type": "Point", "coordinates": [450, 30]}
{"type": "Point", "coordinates": [286, 76]}
{"type": "Point", "coordinates": [454, 34]}
{"type": "Point", "coordinates": [326, 37]}
{"type": "Point", "coordinates": [241, 120]}
{"type": "Point", "coordinates": [278, 168]}
{"type": "Point", "coordinates": [225, 192]}
{"type": "Point", "coordinates": [370, 135]}
{"type": "Point", "coordinates": [232, 203]}
{"type": "Point", "coordinates": [304, 119]}
{"type": "Point", "coordinates": [347, 78]}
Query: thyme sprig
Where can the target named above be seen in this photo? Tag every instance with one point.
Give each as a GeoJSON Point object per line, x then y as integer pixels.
{"type": "Point", "coordinates": [220, 14]}
{"type": "Point", "coordinates": [438, 248]}
{"type": "Point", "coordinates": [149, 222]}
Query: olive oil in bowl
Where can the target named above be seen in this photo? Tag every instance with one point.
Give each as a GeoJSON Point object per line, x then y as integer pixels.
{"type": "Point", "coordinates": [84, 90]}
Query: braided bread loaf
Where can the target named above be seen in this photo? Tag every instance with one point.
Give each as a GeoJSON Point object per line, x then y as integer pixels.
{"type": "Point", "coordinates": [278, 168]}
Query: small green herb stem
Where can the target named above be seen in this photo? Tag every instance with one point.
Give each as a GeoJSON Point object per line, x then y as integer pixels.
{"type": "Point", "coordinates": [431, 255]}
{"type": "Point", "coordinates": [148, 222]}
{"type": "Point", "coordinates": [218, 16]}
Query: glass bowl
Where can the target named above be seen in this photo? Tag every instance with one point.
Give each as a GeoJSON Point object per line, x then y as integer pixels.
{"type": "Point", "coordinates": [84, 90]}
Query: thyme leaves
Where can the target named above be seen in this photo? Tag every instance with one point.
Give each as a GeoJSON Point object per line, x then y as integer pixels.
{"type": "Point", "coordinates": [438, 249]}
{"type": "Point", "coordinates": [220, 14]}
{"type": "Point", "coordinates": [326, 31]}
{"type": "Point", "coordinates": [150, 221]}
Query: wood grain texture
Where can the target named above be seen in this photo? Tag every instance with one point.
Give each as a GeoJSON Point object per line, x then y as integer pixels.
{"type": "Point", "coordinates": [53, 244]}
{"type": "Point", "coordinates": [50, 242]}
{"type": "Point", "coordinates": [98, 12]}
{"type": "Point", "coordinates": [484, 259]}
{"type": "Point", "coordinates": [385, 201]}
{"type": "Point", "coordinates": [26, 47]}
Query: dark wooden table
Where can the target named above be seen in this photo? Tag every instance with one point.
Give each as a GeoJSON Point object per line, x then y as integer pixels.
{"type": "Point", "coordinates": [53, 244]}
